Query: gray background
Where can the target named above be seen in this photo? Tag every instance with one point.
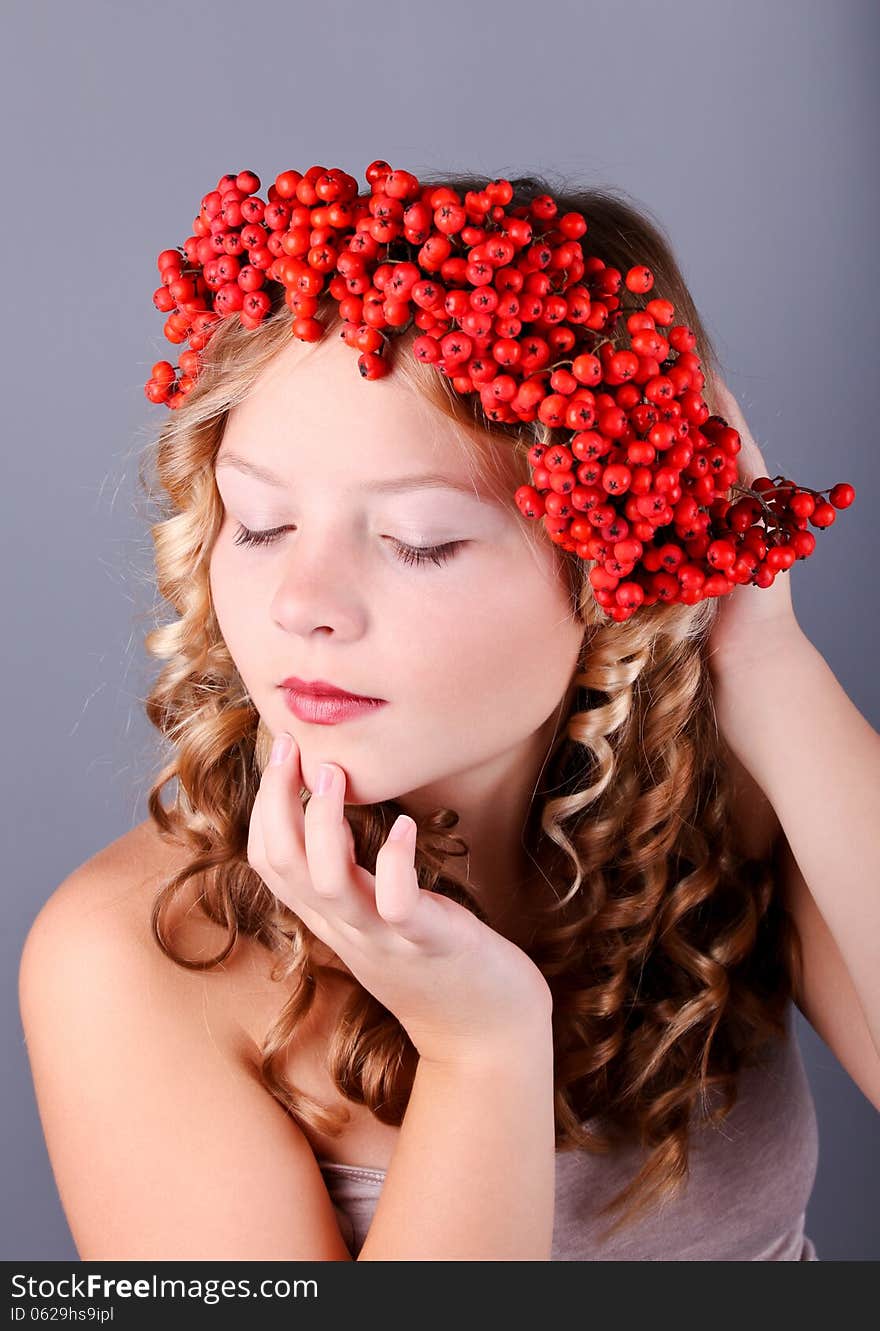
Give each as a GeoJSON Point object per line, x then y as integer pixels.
{"type": "Point", "coordinates": [749, 129]}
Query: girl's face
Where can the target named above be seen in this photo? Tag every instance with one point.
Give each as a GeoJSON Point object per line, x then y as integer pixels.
{"type": "Point", "coordinates": [474, 655]}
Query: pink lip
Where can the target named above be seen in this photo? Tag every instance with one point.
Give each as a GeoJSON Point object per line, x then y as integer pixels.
{"type": "Point", "coordinates": [320, 688]}
{"type": "Point", "coordinates": [329, 711]}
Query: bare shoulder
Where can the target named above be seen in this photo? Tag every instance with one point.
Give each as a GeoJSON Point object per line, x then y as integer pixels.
{"type": "Point", "coordinates": [103, 906]}
{"type": "Point", "coordinates": [163, 1142]}
{"type": "Point", "coordinates": [110, 890]}
{"type": "Point", "coordinates": [102, 912]}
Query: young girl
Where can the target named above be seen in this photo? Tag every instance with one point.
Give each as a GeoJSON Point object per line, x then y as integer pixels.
{"type": "Point", "coordinates": [294, 1014]}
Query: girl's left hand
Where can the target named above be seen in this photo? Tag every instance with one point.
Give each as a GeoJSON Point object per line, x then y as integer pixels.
{"type": "Point", "coordinates": [752, 621]}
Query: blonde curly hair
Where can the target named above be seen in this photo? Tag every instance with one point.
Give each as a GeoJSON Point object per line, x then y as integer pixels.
{"type": "Point", "coordinates": [669, 957]}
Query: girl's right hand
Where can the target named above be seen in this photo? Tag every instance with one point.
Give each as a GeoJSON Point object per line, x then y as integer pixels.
{"type": "Point", "coordinates": [459, 989]}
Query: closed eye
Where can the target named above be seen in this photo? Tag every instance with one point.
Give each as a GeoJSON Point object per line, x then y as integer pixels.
{"type": "Point", "coordinates": [408, 554]}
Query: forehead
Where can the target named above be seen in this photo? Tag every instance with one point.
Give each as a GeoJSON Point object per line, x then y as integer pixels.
{"type": "Point", "coordinates": [311, 403]}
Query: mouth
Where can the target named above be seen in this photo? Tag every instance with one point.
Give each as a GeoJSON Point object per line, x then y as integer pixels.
{"type": "Point", "coordinates": [329, 709]}
{"type": "Point", "coordinates": [320, 688]}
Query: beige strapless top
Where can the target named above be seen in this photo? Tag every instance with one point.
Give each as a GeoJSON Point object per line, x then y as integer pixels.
{"type": "Point", "coordinates": [745, 1200]}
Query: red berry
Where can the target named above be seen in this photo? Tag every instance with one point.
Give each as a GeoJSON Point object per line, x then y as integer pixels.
{"type": "Point", "coordinates": [511, 305]}
{"type": "Point", "coordinates": [842, 495]}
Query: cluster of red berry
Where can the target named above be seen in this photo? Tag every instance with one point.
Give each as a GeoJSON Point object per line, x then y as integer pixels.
{"type": "Point", "coordinates": [510, 306]}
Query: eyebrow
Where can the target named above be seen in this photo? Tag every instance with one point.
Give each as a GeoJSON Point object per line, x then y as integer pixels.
{"type": "Point", "coordinates": [395, 485]}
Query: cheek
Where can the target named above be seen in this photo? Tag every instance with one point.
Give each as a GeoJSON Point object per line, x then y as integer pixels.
{"type": "Point", "coordinates": [219, 583]}
{"type": "Point", "coordinates": [234, 608]}
{"type": "Point", "coordinates": [505, 649]}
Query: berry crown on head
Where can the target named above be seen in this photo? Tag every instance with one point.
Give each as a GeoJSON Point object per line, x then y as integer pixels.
{"type": "Point", "coordinates": [513, 306]}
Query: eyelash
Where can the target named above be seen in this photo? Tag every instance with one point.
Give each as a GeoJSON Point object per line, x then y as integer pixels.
{"type": "Point", "coordinates": [412, 554]}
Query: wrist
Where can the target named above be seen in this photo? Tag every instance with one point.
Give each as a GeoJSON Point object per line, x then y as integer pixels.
{"type": "Point", "coordinates": [777, 648]}
{"type": "Point", "coordinates": [525, 1049]}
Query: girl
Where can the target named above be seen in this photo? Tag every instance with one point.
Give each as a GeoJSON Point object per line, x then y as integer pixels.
{"type": "Point", "coordinates": [294, 1014]}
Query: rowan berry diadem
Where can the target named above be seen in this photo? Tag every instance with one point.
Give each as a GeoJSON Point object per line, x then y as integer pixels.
{"type": "Point", "coordinates": [512, 305]}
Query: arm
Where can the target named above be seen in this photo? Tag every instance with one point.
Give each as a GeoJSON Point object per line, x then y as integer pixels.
{"type": "Point", "coordinates": [163, 1144]}
{"type": "Point", "coordinates": [472, 1177]}
{"type": "Point", "coordinates": [791, 724]}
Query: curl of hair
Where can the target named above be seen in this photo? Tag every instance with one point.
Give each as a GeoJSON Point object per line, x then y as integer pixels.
{"type": "Point", "coordinates": [668, 955]}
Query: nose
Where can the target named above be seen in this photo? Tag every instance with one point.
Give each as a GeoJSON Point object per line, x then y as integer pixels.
{"type": "Point", "coordinates": [319, 588]}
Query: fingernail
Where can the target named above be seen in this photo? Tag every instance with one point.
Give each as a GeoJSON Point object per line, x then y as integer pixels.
{"type": "Point", "coordinates": [325, 779]}
{"type": "Point", "coordinates": [401, 828]}
{"type": "Point", "coordinates": [281, 748]}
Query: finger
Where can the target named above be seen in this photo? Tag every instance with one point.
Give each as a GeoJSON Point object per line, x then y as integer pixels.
{"type": "Point", "coordinates": [258, 860]}
{"type": "Point", "coordinates": [256, 850]}
{"type": "Point", "coordinates": [281, 812]}
{"type": "Point", "coordinates": [397, 888]}
{"type": "Point", "coordinates": [750, 460]}
{"type": "Point", "coordinates": [729, 408]}
{"type": "Point", "coordinates": [330, 856]}
{"type": "Point", "coordinates": [418, 916]}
